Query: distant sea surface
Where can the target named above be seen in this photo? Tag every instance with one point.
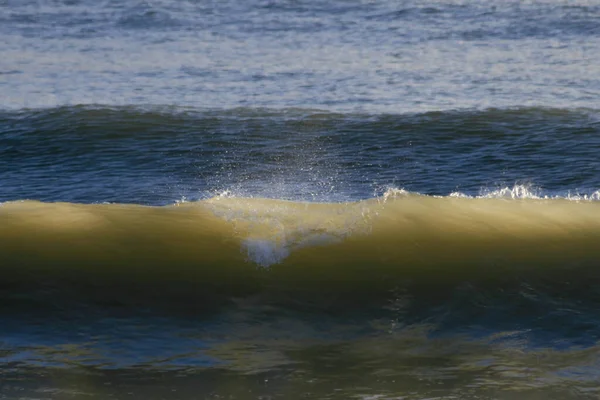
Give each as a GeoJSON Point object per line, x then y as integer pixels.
{"type": "Point", "coordinates": [299, 199]}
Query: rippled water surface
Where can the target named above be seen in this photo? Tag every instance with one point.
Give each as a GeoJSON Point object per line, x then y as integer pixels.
{"type": "Point", "coordinates": [299, 199]}
{"type": "Point", "coordinates": [390, 56]}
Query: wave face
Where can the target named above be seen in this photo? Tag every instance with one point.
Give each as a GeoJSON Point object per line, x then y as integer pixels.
{"type": "Point", "coordinates": [236, 240]}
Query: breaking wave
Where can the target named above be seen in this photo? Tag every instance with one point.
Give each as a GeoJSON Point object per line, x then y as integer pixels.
{"type": "Point", "coordinates": [223, 238]}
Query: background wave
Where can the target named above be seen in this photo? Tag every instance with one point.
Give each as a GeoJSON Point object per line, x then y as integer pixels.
{"type": "Point", "coordinates": [96, 154]}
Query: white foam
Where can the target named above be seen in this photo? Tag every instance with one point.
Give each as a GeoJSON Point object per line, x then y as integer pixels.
{"type": "Point", "coordinates": [265, 252]}
{"type": "Point", "coordinates": [275, 229]}
{"type": "Point", "coordinates": [595, 196]}
{"type": "Point", "coordinates": [515, 192]}
{"type": "Point", "coordinates": [392, 193]}
{"type": "Point", "coordinates": [528, 192]}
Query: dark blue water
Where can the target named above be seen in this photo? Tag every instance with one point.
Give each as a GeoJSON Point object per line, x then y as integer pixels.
{"type": "Point", "coordinates": [154, 156]}
{"type": "Point", "coordinates": [168, 102]}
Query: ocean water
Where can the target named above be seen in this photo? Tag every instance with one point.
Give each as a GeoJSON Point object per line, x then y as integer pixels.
{"type": "Point", "coordinates": [299, 199]}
